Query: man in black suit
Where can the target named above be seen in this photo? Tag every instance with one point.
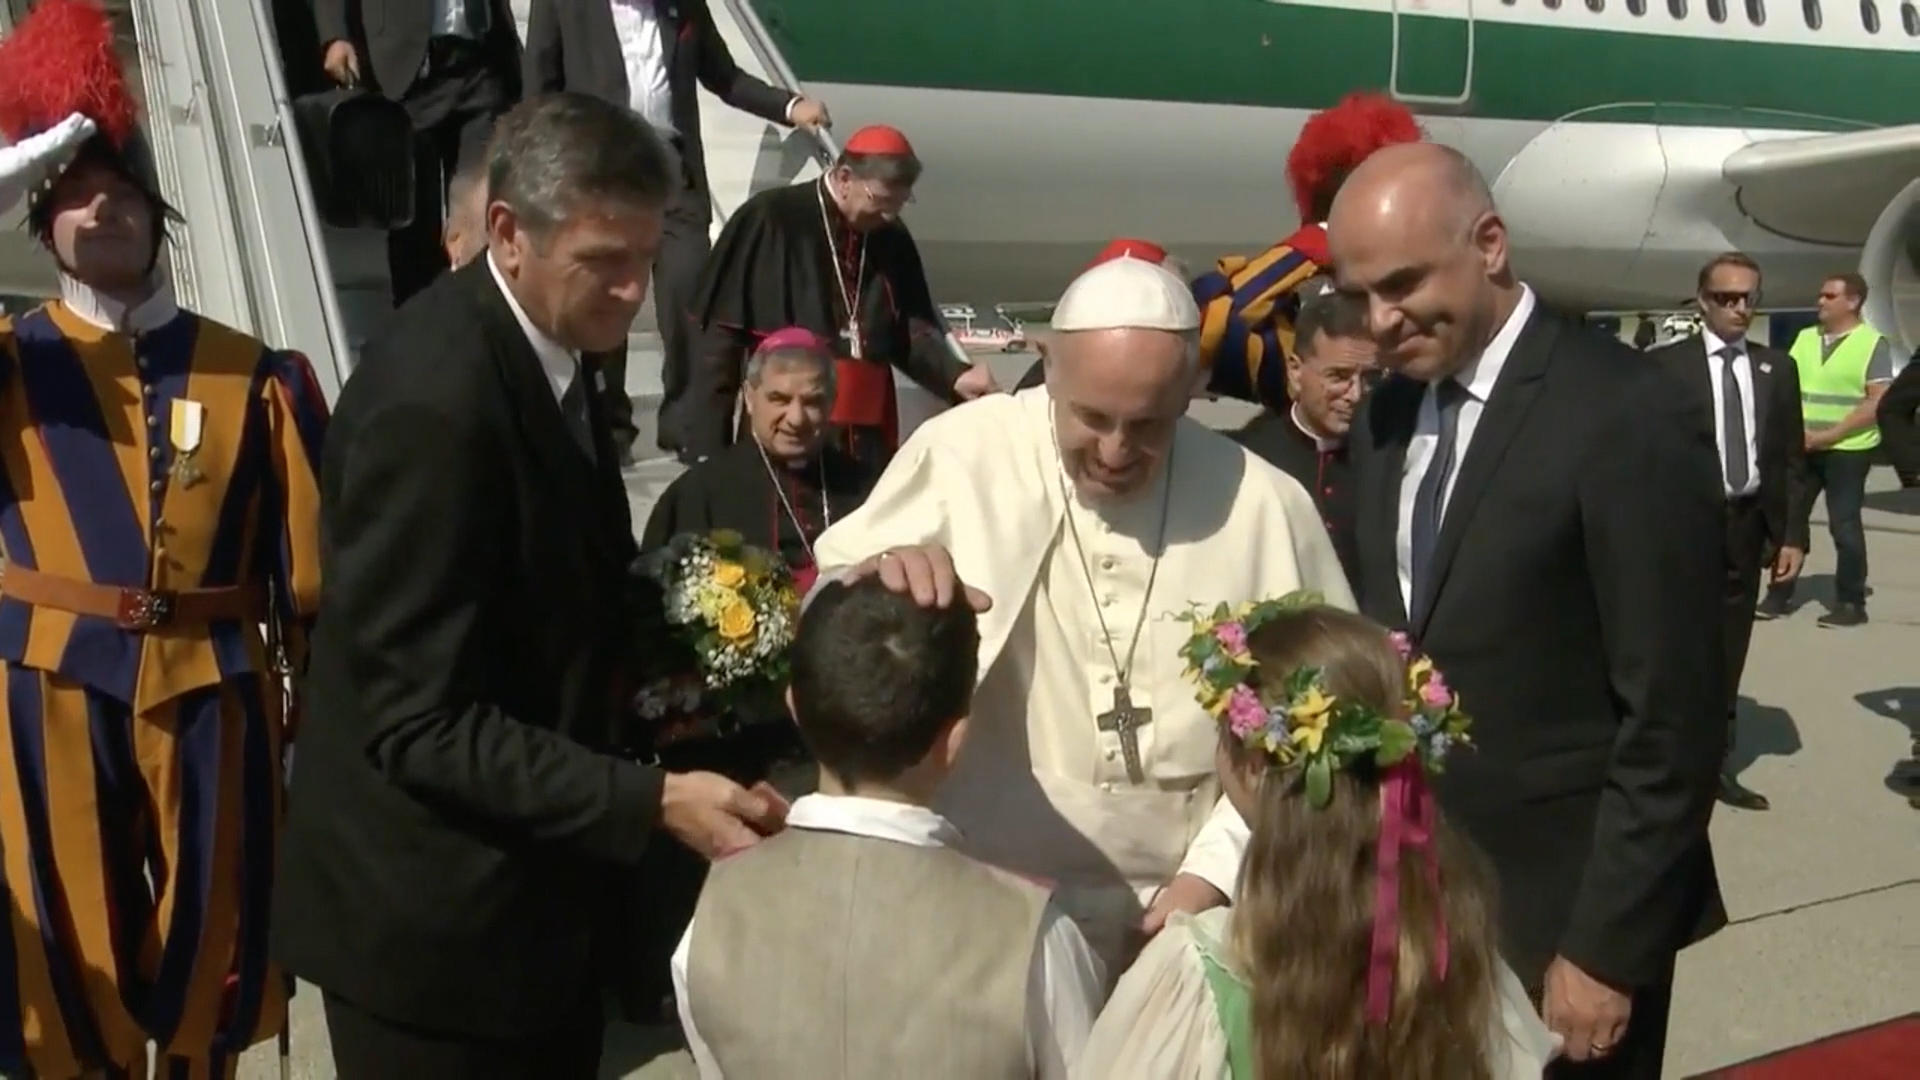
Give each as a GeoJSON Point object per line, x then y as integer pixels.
{"type": "Point", "coordinates": [458, 818]}
{"type": "Point", "coordinates": [1748, 397]}
{"type": "Point", "coordinates": [1899, 418]}
{"type": "Point", "coordinates": [1540, 509]}
{"type": "Point", "coordinates": [455, 66]}
{"type": "Point", "coordinates": [651, 56]}
{"type": "Point", "coordinates": [1333, 364]}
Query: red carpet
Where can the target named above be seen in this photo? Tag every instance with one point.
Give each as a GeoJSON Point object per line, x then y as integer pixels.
{"type": "Point", "coordinates": [1889, 1050]}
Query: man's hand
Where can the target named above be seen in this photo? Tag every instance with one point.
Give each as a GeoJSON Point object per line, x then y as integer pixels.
{"type": "Point", "coordinates": [342, 63]}
{"type": "Point", "coordinates": [925, 571]}
{"type": "Point", "coordinates": [1819, 439]}
{"type": "Point", "coordinates": [1590, 1015]}
{"type": "Point", "coordinates": [1786, 564]}
{"type": "Point", "coordinates": [810, 114]}
{"type": "Point", "coordinates": [1185, 892]}
{"type": "Point", "coordinates": [715, 816]}
{"type": "Point", "coordinates": [976, 381]}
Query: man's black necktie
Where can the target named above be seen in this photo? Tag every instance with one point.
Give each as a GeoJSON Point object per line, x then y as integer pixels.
{"type": "Point", "coordinates": [1429, 498]}
{"type": "Point", "coordinates": [1733, 421]}
{"type": "Point", "coordinates": [573, 409]}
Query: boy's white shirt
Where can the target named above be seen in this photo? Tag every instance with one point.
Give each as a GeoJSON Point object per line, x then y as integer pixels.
{"type": "Point", "coordinates": [1066, 984]}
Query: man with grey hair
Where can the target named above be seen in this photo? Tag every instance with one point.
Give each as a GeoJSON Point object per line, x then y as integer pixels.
{"type": "Point", "coordinates": [460, 815]}
{"type": "Point", "coordinates": [1086, 515]}
{"type": "Point", "coordinates": [1539, 510]}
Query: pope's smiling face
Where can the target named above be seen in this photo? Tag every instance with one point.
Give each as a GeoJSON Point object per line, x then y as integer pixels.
{"type": "Point", "coordinates": [1118, 396]}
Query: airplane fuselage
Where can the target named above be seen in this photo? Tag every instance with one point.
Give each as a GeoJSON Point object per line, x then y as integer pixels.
{"type": "Point", "coordinates": [1048, 128]}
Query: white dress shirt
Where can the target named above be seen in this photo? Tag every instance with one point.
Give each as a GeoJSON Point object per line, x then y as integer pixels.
{"type": "Point", "coordinates": [1743, 378]}
{"type": "Point", "coordinates": [450, 19]}
{"type": "Point", "coordinates": [558, 361]}
{"type": "Point", "coordinates": [1064, 987]}
{"type": "Point", "coordinates": [107, 313]}
{"type": "Point", "coordinates": [637, 26]}
{"type": "Point", "coordinates": [1478, 378]}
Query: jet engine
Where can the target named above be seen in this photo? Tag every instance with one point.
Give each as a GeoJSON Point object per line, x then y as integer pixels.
{"type": "Point", "coordinates": [1890, 263]}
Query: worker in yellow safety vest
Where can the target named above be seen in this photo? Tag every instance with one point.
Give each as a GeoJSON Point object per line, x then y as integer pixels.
{"type": "Point", "coordinates": [1845, 366]}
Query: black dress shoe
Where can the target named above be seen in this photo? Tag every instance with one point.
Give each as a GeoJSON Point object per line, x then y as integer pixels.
{"type": "Point", "coordinates": [1735, 794]}
{"type": "Point", "coordinates": [1844, 615]}
{"type": "Point", "coordinates": [1773, 606]}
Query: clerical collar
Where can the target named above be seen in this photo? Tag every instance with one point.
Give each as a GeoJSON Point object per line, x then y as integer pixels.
{"type": "Point", "coordinates": [1714, 342]}
{"type": "Point", "coordinates": [1321, 443]}
{"type": "Point", "coordinates": [556, 360]}
{"type": "Point", "coordinates": [96, 308]}
{"type": "Point", "coordinates": [1480, 376]}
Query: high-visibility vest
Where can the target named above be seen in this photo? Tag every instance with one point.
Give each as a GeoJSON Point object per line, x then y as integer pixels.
{"type": "Point", "coordinates": [1832, 387]}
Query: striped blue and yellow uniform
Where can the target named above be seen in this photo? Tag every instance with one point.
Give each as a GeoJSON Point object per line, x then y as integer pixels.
{"type": "Point", "coordinates": [140, 770]}
{"type": "Point", "coordinates": [1247, 308]}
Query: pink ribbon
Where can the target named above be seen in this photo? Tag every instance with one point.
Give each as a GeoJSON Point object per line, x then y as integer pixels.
{"type": "Point", "coordinates": [1406, 821]}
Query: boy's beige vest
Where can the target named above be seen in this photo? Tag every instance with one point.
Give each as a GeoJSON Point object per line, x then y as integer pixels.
{"type": "Point", "coordinates": [819, 954]}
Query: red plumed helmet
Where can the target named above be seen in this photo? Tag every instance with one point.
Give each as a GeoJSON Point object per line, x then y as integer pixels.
{"type": "Point", "coordinates": [1335, 141]}
{"type": "Point", "coordinates": [58, 61]}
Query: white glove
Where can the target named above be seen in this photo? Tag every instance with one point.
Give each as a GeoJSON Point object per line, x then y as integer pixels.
{"type": "Point", "coordinates": [35, 160]}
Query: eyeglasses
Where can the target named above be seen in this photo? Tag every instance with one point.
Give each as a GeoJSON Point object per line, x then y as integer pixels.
{"type": "Point", "coordinates": [1341, 378]}
{"type": "Point", "coordinates": [888, 198]}
{"type": "Point", "coordinates": [1727, 299]}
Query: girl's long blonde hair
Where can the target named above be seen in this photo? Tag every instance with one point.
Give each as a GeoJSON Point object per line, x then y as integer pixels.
{"type": "Point", "coordinates": [1302, 924]}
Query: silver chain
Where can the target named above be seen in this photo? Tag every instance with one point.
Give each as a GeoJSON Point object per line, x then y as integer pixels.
{"type": "Point", "coordinates": [779, 489]}
{"type": "Point", "coordinates": [1124, 672]}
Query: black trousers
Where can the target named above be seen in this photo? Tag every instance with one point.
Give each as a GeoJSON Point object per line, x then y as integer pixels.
{"type": "Point", "coordinates": [369, 1047]}
{"type": "Point", "coordinates": [453, 107]}
{"type": "Point", "coordinates": [684, 246]}
{"type": "Point", "coordinates": [1842, 474]}
{"type": "Point", "coordinates": [1746, 558]}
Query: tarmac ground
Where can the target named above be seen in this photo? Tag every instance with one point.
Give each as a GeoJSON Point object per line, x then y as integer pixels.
{"type": "Point", "coordinates": [1823, 889]}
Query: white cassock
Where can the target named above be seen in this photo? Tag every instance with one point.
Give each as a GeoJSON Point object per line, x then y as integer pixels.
{"type": "Point", "coordinates": [1039, 788]}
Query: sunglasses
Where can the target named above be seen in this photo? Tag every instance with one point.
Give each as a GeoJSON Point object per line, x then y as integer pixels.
{"type": "Point", "coordinates": [1728, 299]}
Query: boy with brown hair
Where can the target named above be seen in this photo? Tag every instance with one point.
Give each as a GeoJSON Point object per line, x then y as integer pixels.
{"type": "Point", "coordinates": [859, 942]}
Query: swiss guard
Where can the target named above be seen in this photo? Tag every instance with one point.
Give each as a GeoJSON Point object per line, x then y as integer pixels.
{"type": "Point", "coordinates": [1247, 305]}
{"type": "Point", "coordinates": [158, 519]}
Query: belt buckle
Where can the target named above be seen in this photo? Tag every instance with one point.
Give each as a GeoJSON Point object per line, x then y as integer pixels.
{"type": "Point", "coordinates": [141, 609]}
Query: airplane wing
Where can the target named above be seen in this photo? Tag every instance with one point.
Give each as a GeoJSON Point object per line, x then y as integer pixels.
{"type": "Point", "coordinates": [1824, 189]}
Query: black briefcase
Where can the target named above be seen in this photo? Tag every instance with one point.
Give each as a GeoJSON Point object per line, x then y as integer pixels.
{"type": "Point", "coordinates": [359, 152]}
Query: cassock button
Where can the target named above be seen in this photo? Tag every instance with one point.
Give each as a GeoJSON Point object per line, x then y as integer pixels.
{"type": "Point", "coordinates": [155, 453]}
{"type": "Point", "coordinates": [1105, 679]}
{"type": "Point", "coordinates": [156, 486]}
{"type": "Point", "coordinates": [1111, 754]}
{"type": "Point", "coordinates": [1106, 564]}
{"type": "Point", "coordinates": [153, 420]}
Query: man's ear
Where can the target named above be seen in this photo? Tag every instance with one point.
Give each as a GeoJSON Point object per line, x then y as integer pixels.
{"type": "Point", "coordinates": [951, 741]}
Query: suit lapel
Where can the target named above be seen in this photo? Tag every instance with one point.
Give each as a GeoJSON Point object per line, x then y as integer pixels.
{"type": "Point", "coordinates": [530, 398]}
{"type": "Point", "coordinates": [1761, 363]}
{"type": "Point", "coordinates": [1398, 413]}
{"type": "Point", "coordinates": [1500, 420]}
{"type": "Point", "coordinates": [669, 16]}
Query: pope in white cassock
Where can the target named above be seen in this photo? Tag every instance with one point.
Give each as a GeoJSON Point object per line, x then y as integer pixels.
{"type": "Point", "coordinates": [1091, 513]}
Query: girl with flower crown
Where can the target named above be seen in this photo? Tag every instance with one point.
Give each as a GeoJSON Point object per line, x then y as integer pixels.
{"type": "Point", "coordinates": [1361, 941]}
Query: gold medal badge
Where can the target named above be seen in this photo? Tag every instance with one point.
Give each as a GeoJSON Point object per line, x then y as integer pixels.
{"type": "Point", "coordinates": [184, 432]}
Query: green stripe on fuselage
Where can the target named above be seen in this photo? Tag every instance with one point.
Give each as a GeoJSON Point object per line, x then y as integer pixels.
{"type": "Point", "coordinates": [1253, 52]}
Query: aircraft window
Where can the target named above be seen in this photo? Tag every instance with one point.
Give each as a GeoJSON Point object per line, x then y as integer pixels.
{"type": "Point", "coordinates": [1637, 7]}
{"type": "Point", "coordinates": [1677, 8]}
{"type": "Point", "coordinates": [1870, 16]}
{"type": "Point", "coordinates": [1717, 10]}
{"type": "Point", "coordinates": [1910, 18]}
{"type": "Point", "coordinates": [1596, 6]}
{"type": "Point", "coordinates": [1553, 5]}
{"type": "Point", "coordinates": [1757, 12]}
{"type": "Point", "coordinates": [1811, 9]}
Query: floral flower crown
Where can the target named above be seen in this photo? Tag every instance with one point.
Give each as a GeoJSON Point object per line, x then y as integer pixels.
{"type": "Point", "coordinates": [1305, 725]}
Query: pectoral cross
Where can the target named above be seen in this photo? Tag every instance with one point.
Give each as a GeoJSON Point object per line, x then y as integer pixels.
{"type": "Point", "coordinates": [1126, 721]}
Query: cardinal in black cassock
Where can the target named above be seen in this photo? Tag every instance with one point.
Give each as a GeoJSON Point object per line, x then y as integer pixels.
{"type": "Point", "coordinates": [779, 486]}
{"type": "Point", "coordinates": [833, 257]}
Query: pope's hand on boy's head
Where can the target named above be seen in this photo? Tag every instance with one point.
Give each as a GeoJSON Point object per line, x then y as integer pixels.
{"type": "Point", "coordinates": [925, 571]}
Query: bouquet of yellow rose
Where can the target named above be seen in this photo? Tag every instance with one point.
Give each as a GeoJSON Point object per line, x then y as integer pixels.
{"type": "Point", "coordinates": [732, 607]}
